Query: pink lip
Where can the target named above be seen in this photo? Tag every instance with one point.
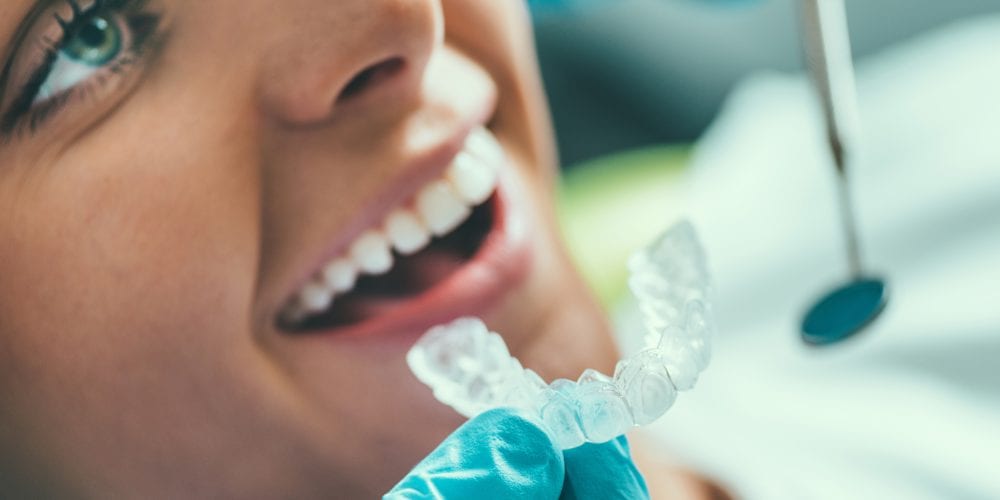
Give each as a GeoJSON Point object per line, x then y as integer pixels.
{"type": "Point", "coordinates": [501, 264]}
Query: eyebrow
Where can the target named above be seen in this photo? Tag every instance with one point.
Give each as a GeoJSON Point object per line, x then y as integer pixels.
{"type": "Point", "coordinates": [17, 39]}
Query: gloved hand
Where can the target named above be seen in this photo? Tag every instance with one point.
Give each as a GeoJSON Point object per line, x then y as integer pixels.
{"type": "Point", "coordinates": [504, 454]}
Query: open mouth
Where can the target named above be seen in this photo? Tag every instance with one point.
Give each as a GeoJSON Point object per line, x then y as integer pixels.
{"type": "Point", "coordinates": [418, 246]}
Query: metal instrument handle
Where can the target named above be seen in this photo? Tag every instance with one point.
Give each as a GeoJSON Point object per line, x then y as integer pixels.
{"type": "Point", "coordinates": [828, 55]}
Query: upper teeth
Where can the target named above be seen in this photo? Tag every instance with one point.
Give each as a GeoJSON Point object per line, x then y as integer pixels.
{"type": "Point", "coordinates": [438, 208]}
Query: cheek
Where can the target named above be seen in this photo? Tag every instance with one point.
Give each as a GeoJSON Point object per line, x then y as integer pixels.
{"type": "Point", "coordinates": [134, 246]}
{"type": "Point", "coordinates": [498, 35]}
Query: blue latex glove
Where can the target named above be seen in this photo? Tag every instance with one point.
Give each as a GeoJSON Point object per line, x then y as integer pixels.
{"type": "Point", "coordinates": [504, 454]}
{"type": "Point", "coordinates": [603, 471]}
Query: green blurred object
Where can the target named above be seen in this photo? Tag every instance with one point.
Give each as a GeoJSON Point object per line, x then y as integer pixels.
{"type": "Point", "coordinates": [611, 206]}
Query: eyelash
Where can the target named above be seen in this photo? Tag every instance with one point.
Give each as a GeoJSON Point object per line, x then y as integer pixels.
{"type": "Point", "coordinates": [26, 114]}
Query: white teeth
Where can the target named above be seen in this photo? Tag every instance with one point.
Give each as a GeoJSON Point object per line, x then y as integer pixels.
{"type": "Point", "coordinates": [315, 297]}
{"type": "Point", "coordinates": [472, 179]}
{"type": "Point", "coordinates": [371, 253]}
{"type": "Point", "coordinates": [340, 275]}
{"type": "Point", "coordinates": [484, 144]}
{"type": "Point", "coordinates": [438, 209]}
{"type": "Point", "coordinates": [441, 208]}
{"type": "Point", "coordinates": [407, 234]}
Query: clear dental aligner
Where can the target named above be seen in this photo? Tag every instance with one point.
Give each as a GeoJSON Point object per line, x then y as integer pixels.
{"type": "Point", "coordinates": [470, 369]}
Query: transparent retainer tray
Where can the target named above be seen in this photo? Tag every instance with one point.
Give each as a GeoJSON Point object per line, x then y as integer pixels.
{"type": "Point", "coordinates": [470, 369]}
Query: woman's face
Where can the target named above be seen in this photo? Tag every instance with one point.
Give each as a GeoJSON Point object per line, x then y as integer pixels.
{"type": "Point", "coordinates": [175, 178]}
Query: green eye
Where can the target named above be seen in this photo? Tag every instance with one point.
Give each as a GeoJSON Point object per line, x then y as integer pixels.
{"type": "Point", "coordinates": [96, 43]}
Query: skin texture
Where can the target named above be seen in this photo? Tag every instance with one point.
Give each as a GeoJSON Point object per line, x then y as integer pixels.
{"type": "Point", "coordinates": [153, 231]}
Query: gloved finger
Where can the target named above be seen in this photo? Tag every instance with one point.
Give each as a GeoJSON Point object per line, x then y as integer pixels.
{"type": "Point", "coordinates": [500, 454]}
{"type": "Point", "coordinates": [603, 471]}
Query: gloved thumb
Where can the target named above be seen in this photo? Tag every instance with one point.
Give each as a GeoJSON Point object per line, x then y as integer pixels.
{"type": "Point", "coordinates": [605, 471]}
{"type": "Point", "coordinates": [499, 454]}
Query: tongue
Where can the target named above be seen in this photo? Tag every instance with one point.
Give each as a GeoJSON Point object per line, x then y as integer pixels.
{"type": "Point", "coordinates": [410, 276]}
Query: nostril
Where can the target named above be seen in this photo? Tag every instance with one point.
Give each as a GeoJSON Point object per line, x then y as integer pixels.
{"type": "Point", "coordinates": [370, 77]}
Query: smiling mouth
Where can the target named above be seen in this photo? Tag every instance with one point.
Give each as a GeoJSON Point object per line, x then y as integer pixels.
{"type": "Point", "coordinates": [418, 246]}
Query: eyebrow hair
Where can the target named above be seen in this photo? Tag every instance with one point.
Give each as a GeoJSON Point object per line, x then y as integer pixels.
{"type": "Point", "coordinates": [17, 39]}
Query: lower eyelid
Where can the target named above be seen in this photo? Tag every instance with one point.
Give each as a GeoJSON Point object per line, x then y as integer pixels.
{"type": "Point", "coordinates": [92, 89]}
{"type": "Point", "coordinates": [140, 31]}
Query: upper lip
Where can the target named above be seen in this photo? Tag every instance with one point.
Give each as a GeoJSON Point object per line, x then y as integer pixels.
{"type": "Point", "coordinates": [419, 171]}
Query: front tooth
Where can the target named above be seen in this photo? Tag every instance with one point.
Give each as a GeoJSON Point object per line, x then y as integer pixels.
{"type": "Point", "coordinates": [485, 144]}
{"type": "Point", "coordinates": [441, 208]}
{"type": "Point", "coordinates": [371, 253]}
{"type": "Point", "coordinates": [407, 234]}
{"type": "Point", "coordinates": [315, 297]}
{"type": "Point", "coordinates": [340, 275]}
{"type": "Point", "coordinates": [473, 179]}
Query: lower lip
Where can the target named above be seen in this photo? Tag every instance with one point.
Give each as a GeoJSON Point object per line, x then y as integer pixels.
{"type": "Point", "coordinates": [501, 265]}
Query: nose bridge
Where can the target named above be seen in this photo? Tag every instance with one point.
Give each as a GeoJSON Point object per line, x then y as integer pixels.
{"type": "Point", "coordinates": [330, 50]}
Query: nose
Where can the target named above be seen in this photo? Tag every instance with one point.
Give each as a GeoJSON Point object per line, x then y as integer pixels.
{"type": "Point", "coordinates": [336, 54]}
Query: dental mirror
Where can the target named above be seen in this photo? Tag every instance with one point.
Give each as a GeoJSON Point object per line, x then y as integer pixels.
{"type": "Point", "coordinates": [851, 307]}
